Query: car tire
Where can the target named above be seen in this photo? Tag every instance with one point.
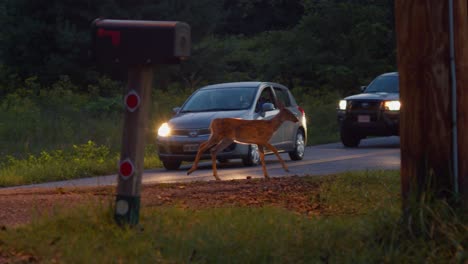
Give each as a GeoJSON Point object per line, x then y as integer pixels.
{"type": "Point", "coordinates": [349, 139]}
{"type": "Point", "coordinates": [223, 160]}
{"type": "Point", "coordinates": [299, 148]}
{"type": "Point", "coordinates": [171, 164]}
{"type": "Point", "coordinates": [253, 156]}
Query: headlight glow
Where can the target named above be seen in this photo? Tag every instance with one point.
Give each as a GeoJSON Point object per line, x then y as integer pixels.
{"type": "Point", "coordinates": [164, 130]}
{"type": "Point", "coordinates": [393, 105]}
{"type": "Point", "coordinates": [342, 105]}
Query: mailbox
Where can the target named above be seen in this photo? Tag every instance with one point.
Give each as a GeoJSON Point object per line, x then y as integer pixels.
{"type": "Point", "coordinates": [139, 42]}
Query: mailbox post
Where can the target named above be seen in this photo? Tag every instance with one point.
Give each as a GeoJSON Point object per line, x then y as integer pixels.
{"type": "Point", "coordinates": [137, 46]}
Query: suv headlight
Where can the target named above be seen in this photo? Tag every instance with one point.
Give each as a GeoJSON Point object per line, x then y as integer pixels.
{"type": "Point", "coordinates": [342, 105]}
{"type": "Point", "coordinates": [164, 130]}
{"type": "Point", "coordinates": [392, 105]}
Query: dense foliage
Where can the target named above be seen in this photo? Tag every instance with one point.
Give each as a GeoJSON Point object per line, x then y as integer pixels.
{"type": "Point", "coordinates": [52, 95]}
{"type": "Point", "coordinates": [339, 44]}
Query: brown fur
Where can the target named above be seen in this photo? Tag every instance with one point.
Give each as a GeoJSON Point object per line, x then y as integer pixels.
{"type": "Point", "coordinates": [225, 131]}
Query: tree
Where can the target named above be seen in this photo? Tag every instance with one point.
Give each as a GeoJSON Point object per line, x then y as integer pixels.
{"type": "Point", "coordinates": [53, 41]}
{"type": "Point", "coordinates": [335, 43]}
{"type": "Point", "coordinates": [251, 17]}
{"type": "Point", "coordinates": [426, 131]}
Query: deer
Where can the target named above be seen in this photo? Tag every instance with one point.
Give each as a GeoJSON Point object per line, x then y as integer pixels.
{"type": "Point", "coordinates": [225, 131]}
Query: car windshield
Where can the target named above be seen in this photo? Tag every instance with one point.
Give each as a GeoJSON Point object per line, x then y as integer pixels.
{"type": "Point", "coordinates": [227, 99]}
{"type": "Point", "coordinates": [383, 84]}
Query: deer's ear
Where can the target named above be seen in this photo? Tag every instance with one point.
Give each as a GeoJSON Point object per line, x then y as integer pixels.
{"type": "Point", "coordinates": [280, 104]}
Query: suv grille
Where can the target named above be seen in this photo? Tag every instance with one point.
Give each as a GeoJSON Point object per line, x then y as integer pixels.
{"type": "Point", "coordinates": [365, 105]}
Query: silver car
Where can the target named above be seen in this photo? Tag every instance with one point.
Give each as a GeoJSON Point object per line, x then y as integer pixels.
{"type": "Point", "coordinates": [179, 138]}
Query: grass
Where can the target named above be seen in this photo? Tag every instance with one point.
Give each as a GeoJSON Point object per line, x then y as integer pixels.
{"type": "Point", "coordinates": [363, 225]}
{"type": "Point", "coordinates": [81, 161]}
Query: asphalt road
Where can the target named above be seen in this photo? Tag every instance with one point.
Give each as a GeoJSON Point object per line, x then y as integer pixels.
{"type": "Point", "coordinates": [372, 154]}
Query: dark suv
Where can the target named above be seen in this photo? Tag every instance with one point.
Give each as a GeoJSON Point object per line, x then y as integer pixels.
{"type": "Point", "coordinates": [374, 112]}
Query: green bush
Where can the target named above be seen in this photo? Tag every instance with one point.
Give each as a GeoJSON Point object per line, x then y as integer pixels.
{"type": "Point", "coordinates": [34, 119]}
{"type": "Point", "coordinates": [81, 161]}
{"type": "Point", "coordinates": [320, 108]}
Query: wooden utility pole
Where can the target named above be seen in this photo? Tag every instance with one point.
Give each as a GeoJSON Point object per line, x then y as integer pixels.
{"type": "Point", "coordinates": [428, 152]}
{"type": "Point", "coordinates": [461, 63]}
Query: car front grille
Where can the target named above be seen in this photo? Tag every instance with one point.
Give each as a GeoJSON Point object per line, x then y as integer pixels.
{"type": "Point", "coordinates": [361, 105]}
{"type": "Point", "coordinates": [371, 109]}
{"type": "Point", "coordinates": [191, 132]}
{"type": "Point", "coordinates": [178, 149]}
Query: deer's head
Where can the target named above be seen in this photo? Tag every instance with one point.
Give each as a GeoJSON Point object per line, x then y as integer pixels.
{"type": "Point", "coordinates": [285, 114]}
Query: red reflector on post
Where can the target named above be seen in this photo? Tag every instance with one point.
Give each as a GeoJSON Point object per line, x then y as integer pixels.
{"type": "Point", "coordinates": [126, 168]}
{"type": "Point", "coordinates": [132, 101]}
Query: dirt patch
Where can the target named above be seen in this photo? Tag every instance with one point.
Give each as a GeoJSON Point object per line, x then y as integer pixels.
{"type": "Point", "coordinates": [21, 206]}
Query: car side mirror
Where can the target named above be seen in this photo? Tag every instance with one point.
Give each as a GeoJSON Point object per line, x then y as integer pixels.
{"type": "Point", "coordinates": [363, 88]}
{"type": "Point", "coordinates": [267, 107]}
{"type": "Point", "coordinates": [176, 110]}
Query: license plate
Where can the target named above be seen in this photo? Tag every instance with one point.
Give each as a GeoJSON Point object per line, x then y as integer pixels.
{"type": "Point", "coordinates": [190, 148]}
{"type": "Point", "coordinates": [363, 118]}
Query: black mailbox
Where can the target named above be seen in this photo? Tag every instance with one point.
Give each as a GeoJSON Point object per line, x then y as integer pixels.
{"type": "Point", "coordinates": [139, 42]}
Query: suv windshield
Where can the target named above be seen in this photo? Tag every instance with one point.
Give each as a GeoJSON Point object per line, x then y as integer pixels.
{"type": "Point", "coordinates": [383, 84]}
{"type": "Point", "coordinates": [227, 99]}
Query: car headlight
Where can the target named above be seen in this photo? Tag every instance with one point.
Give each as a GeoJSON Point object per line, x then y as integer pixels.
{"type": "Point", "coordinates": [164, 130]}
{"type": "Point", "coordinates": [342, 105]}
{"type": "Point", "coordinates": [393, 105]}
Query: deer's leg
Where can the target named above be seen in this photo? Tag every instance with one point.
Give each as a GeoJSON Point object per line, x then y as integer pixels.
{"type": "Point", "coordinates": [203, 147]}
{"type": "Point", "coordinates": [272, 148]}
{"type": "Point", "coordinates": [262, 159]}
{"type": "Point", "coordinates": [215, 150]}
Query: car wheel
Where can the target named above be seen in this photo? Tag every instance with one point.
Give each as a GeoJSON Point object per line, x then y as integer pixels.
{"type": "Point", "coordinates": [223, 160]}
{"type": "Point", "coordinates": [171, 164]}
{"type": "Point", "coordinates": [349, 139]}
{"type": "Point", "coordinates": [298, 152]}
{"type": "Point", "coordinates": [253, 156]}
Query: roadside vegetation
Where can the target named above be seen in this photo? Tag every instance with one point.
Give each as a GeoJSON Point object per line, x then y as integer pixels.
{"type": "Point", "coordinates": [360, 222]}
{"type": "Point", "coordinates": [57, 133]}
{"type": "Point", "coordinates": [61, 112]}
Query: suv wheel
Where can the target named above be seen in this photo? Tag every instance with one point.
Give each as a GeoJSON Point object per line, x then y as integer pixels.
{"type": "Point", "coordinates": [171, 164]}
{"type": "Point", "coordinates": [349, 139]}
{"type": "Point", "coordinates": [298, 152]}
{"type": "Point", "coordinates": [253, 157]}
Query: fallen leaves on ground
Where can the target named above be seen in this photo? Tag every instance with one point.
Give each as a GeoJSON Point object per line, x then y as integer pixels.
{"type": "Point", "coordinates": [20, 206]}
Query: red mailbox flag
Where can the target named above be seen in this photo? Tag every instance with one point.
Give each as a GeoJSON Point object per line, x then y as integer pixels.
{"type": "Point", "coordinates": [113, 34]}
